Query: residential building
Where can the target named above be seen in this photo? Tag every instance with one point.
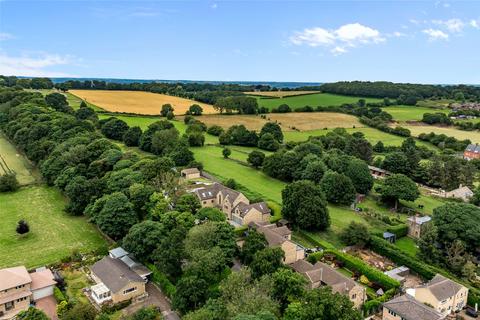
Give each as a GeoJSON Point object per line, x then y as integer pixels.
{"type": "Point", "coordinates": [234, 204]}
{"type": "Point", "coordinates": [118, 278]}
{"type": "Point", "coordinates": [280, 237]}
{"type": "Point", "coordinates": [378, 173]}
{"type": "Point", "coordinates": [321, 274]}
{"type": "Point", "coordinates": [416, 225]}
{"type": "Point", "coordinates": [18, 289]}
{"type": "Point", "coordinates": [472, 152]}
{"type": "Point", "coordinates": [407, 308]}
{"type": "Point", "coordinates": [446, 296]}
{"type": "Point", "coordinates": [190, 173]}
{"type": "Point", "coordinates": [462, 192]}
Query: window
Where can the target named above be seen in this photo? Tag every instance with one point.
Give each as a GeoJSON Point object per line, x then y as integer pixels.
{"type": "Point", "coordinates": [354, 296]}
{"type": "Point", "coordinates": [204, 202]}
{"type": "Point", "coordinates": [129, 290]}
{"type": "Point", "coordinates": [9, 306]}
{"type": "Point", "coordinates": [392, 313]}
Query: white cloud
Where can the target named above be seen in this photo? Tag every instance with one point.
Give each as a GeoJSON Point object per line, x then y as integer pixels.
{"type": "Point", "coordinates": [37, 66]}
{"type": "Point", "coordinates": [349, 35]}
{"type": "Point", "coordinates": [475, 24]}
{"type": "Point", "coordinates": [399, 34]}
{"type": "Point", "coordinates": [434, 34]}
{"type": "Point", "coordinates": [6, 36]}
{"type": "Point", "coordinates": [452, 25]}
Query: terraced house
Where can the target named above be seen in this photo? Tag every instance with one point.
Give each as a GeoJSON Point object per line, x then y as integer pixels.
{"type": "Point", "coordinates": [234, 204]}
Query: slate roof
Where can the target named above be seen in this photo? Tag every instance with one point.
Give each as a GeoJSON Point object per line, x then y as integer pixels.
{"type": "Point", "coordinates": [260, 206]}
{"type": "Point", "coordinates": [208, 192]}
{"type": "Point", "coordinates": [442, 288]}
{"type": "Point", "coordinates": [114, 273]}
{"type": "Point", "coordinates": [410, 309]}
{"type": "Point", "coordinates": [473, 148]}
{"type": "Point", "coordinates": [420, 220]}
{"type": "Point", "coordinates": [118, 252]}
{"type": "Point", "coordinates": [274, 235]}
{"type": "Point", "coordinates": [12, 277]}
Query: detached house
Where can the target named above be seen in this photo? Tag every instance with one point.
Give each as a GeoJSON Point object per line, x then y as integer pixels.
{"type": "Point", "coordinates": [462, 192]}
{"type": "Point", "coordinates": [280, 237]}
{"type": "Point", "coordinates": [472, 152]}
{"type": "Point", "coordinates": [321, 274]}
{"type": "Point", "coordinates": [234, 204]}
{"type": "Point", "coordinates": [407, 308]}
{"type": "Point", "coordinates": [446, 296]}
{"type": "Point", "coordinates": [118, 278]}
{"type": "Point", "coordinates": [18, 289]}
{"type": "Point", "coordinates": [190, 173]}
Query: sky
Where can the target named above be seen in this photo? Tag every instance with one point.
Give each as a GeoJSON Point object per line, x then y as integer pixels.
{"type": "Point", "coordinates": [305, 41]}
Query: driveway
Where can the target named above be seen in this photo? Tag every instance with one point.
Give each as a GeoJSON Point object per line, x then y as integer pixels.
{"type": "Point", "coordinates": [49, 306]}
{"type": "Point", "coordinates": [155, 299]}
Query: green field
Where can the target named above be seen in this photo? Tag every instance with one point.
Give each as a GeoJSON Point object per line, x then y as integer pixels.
{"type": "Point", "coordinates": [313, 100]}
{"type": "Point", "coordinates": [11, 160]}
{"type": "Point", "coordinates": [410, 113]}
{"type": "Point", "coordinates": [53, 234]}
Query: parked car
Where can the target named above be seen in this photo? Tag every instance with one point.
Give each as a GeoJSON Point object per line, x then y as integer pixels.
{"type": "Point", "coordinates": [471, 312]}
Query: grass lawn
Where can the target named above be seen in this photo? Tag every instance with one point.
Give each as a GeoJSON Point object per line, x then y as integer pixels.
{"type": "Point", "coordinates": [53, 234]}
{"type": "Point", "coordinates": [407, 245]}
{"type": "Point", "coordinates": [76, 280]}
{"type": "Point", "coordinates": [406, 113]}
{"type": "Point", "coordinates": [314, 100]}
{"type": "Point", "coordinates": [11, 160]}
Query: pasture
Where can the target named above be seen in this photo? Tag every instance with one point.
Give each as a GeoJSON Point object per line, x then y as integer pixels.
{"type": "Point", "coordinates": [12, 161]}
{"type": "Point", "coordinates": [411, 113]}
{"type": "Point", "coordinates": [139, 102]}
{"type": "Point", "coordinates": [53, 234]}
{"type": "Point", "coordinates": [313, 100]}
{"type": "Point", "coordinates": [280, 94]}
{"type": "Point", "coordinates": [416, 130]}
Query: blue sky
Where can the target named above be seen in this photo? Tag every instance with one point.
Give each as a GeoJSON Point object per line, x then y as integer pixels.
{"type": "Point", "coordinates": [404, 41]}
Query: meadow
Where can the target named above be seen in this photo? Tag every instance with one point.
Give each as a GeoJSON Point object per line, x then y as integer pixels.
{"type": "Point", "coordinates": [53, 234]}
{"type": "Point", "coordinates": [139, 102]}
{"type": "Point", "coordinates": [12, 161]}
{"type": "Point", "coordinates": [313, 100]}
{"type": "Point", "coordinates": [411, 113]}
{"type": "Point", "coordinates": [280, 94]}
{"type": "Point", "coordinates": [474, 136]}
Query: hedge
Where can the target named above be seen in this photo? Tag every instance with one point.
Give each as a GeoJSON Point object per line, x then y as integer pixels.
{"type": "Point", "coordinates": [58, 294]}
{"type": "Point", "coordinates": [161, 279]}
{"type": "Point", "coordinates": [358, 265]}
{"type": "Point", "coordinates": [374, 304]}
{"type": "Point", "coordinates": [321, 243]}
{"type": "Point", "coordinates": [399, 231]}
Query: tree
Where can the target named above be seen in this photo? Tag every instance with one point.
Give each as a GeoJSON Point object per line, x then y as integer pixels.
{"type": "Point", "coordinates": [314, 171]}
{"type": "Point", "coordinates": [175, 219]}
{"type": "Point", "coordinates": [164, 141]}
{"type": "Point", "coordinates": [132, 136]}
{"type": "Point", "coordinates": [379, 147]}
{"type": "Point", "coordinates": [274, 129]}
{"type": "Point", "coordinates": [196, 139]}
{"type": "Point", "coordinates": [191, 293]}
{"type": "Point", "coordinates": [182, 155]}
{"type": "Point", "coordinates": [146, 313]}
{"type": "Point", "coordinates": [396, 162]}
{"type": "Point", "coordinates": [266, 261]}
{"type": "Point", "coordinates": [475, 199]}
{"type": "Point", "coordinates": [166, 108]}
{"type": "Point", "coordinates": [170, 115]}
{"type": "Point", "coordinates": [283, 108]}
{"type": "Point", "coordinates": [58, 102]}
{"type": "Point", "coordinates": [212, 234]}
{"type": "Point", "coordinates": [427, 244]}
{"type": "Point", "coordinates": [267, 142]}
{"type": "Point", "coordinates": [255, 158]}
{"type": "Point", "coordinates": [22, 227]}
{"type": "Point", "coordinates": [338, 188]}
{"type": "Point", "coordinates": [80, 311]}
{"type": "Point", "coordinates": [288, 286]}
{"type": "Point", "coordinates": [195, 110]}
{"type": "Point", "coordinates": [226, 152]}
{"type": "Point", "coordinates": [32, 313]}
{"type": "Point", "coordinates": [358, 171]}
{"type": "Point", "coordinates": [458, 221]}
{"type": "Point", "coordinates": [254, 242]}
{"type": "Point", "coordinates": [399, 187]}
{"type": "Point", "coordinates": [8, 182]}
{"type": "Point", "coordinates": [457, 256]}
{"type": "Point", "coordinates": [215, 130]}
{"type": "Point", "coordinates": [304, 204]}
{"type": "Point", "coordinates": [206, 264]}
{"type": "Point", "coordinates": [170, 253]}
{"type": "Point", "coordinates": [211, 214]}
{"type": "Point", "coordinates": [114, 129]}
{"type": "Point", "coordinates": [113, 214]}
{"type": "Point", "coordinates": [139, 196]}
{"type": "Point", "coordinates": [188, 202]}
{"type": "Point", "coordinates": [359, 147]}
{"type": "Point", "coordinates": [143, 238]}
{"type": "Point", "coordinates": [356, 234]}
{"type": "Point", "coordinates": [231, 183]}
{"type": "Point", "coordinates": [321, 303]}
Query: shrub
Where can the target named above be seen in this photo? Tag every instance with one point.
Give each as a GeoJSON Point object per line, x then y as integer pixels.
{"type": "Point", "coordinates": [8, 182]}
{"type": "Point", "coordinates": [58, 294]}
{"type": "Point", "coordinates": [161, 279]}
{"type": "Point", "coordinates": [215, 130]}
{"type": "Point", "coordinates": [399, 231]}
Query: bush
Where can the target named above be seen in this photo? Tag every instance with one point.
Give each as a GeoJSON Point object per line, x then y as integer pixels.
{"type": "Point", "coordinates": [161, 279]}
{"type": "Point", "coordinates": [215, 130]}
{"type": "Point", "coordinates": [8, 182]}
{"type": "Point", "coordinates": [58, 294]}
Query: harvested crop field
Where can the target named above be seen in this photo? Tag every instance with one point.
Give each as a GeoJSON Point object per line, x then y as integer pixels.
{"type": "Point", "coordinates": [280, 94]}
{"type": "Point", "coordinates": [288, 121]}
{"type": "Point", "coordinates": [416, 130]}
{"type": "Point", "coordinates": [139, 102]}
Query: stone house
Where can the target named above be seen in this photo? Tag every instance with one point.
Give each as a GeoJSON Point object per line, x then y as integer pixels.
{"type": "Point", "coordinates": [407, 308]}
{"type": "Point", "coordinates": [446, 296]}
{"type": "Point", "coordinates": [18, 289]}
{"type": "Point", "coordinates": [234, 204]}
{"type": "Point", "coordinates": [416, 225]}
{"type": "Point", "coordinates": [462, 192]}
{"type": "Point", "coordinates": [321, 274]}
{"type": "Point", "coordinates": [190, 173]}
{"type": "Point", "coordinates": [280, 237]}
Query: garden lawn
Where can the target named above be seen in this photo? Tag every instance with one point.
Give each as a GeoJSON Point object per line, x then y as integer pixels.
{"type": "Point", "coordinates": [313, 100]}
{"type": "Point", "coordinates": [53, 234]}
{"type": "Point", "coordinates": [410, 113]}
{"type": "Point", "coordinates": [407, 245]}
